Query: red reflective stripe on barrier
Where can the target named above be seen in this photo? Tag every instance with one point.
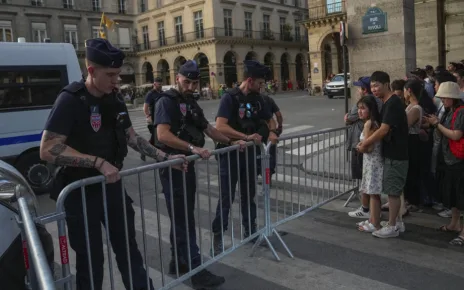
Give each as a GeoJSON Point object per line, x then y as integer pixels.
{"type": "Point", "coordinates": [268, 175]}
{"type": "Point", "coordinates": [26, 255]}
{"type": "Point", "coordinates": [64, 250]}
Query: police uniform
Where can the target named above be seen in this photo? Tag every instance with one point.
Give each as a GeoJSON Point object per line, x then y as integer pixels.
{"type": "Point", "coordinates": [247, 114]}
{"type": "Point", "coordinates": [96, 126]}
{"type": "Point", "coordinates": [187, 122]}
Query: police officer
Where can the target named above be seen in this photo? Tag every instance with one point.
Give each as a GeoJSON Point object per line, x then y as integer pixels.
{"type": "Point", "coordinates": [148, 107]}
{"type": "Point", "coordinates": [180, 126]}
{"type": "Point", "coordinates": [242, 115]}
{"type": "Point", "coordinates": [87, 134]}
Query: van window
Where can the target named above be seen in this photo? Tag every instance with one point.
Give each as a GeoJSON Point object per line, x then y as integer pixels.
{"type": "Point", "coordinates": [30, 87]}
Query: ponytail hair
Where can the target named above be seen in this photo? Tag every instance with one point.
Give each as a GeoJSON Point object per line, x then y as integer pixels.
{"type": "Point", "coordinates": [416, 87]}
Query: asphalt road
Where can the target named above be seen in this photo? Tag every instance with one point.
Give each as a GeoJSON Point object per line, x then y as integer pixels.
{"type": "Point", "coordinates": [329, 252]}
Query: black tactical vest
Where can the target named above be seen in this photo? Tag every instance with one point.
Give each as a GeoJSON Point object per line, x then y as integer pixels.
{"type": "Point", "coordinates": [247, 119]}
{"type": "Point", "coordinates": [98, 131]}
{"type": "Point", "coordinates": [188, 121]}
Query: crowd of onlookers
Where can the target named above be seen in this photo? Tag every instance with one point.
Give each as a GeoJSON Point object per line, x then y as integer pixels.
{"type": "Point", "coordinates": [406, 141]}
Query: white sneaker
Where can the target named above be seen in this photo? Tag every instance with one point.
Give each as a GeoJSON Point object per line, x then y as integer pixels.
{"type": "Point", "coordinates": [360, 224]}
{"type": "Point", "coordinates": [445, 214]}
{"type": "Point", "coordinates": [359, 213]}
{"type": "Point", "coordinates": [400, 225]}
{"type": "Point", "coordinates": [387, 232]}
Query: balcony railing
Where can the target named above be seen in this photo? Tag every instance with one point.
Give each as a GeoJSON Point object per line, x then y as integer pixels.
{"type": "Point", "coordinates": [319, 12]}
{"type": "Point", "coordinates": [221, 33]}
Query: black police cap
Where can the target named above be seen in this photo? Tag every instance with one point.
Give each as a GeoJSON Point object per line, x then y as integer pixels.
{"type": "Point", "coordinates": [256, 70]}
{"type": "Point", "coordinates": [190, 70]}
{"type": "Point", "coordinates": [101, 52]}
{"type": "Point", "coordinates": [158, 80]}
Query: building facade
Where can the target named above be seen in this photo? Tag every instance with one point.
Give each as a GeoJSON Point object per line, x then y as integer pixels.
{"type": "Point", "coordinates": [220, 35]}
{"type": "Point", "coordinates": [439, 27]}
{"type": "Point", "coordinates": [71, 21]}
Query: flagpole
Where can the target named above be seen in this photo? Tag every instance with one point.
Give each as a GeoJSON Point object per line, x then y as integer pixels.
{"type": "Point", "coordinates": [101, 20]}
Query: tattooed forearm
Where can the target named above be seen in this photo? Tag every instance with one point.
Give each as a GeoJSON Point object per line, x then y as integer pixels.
{"type": "Point", "coordinates": [54, 150]}
{"type": "Point", "coordinates": [141, 145]}
{"type": "Point", "coordinates": [74, 161]}
{"type": "Point", "coordinates": [58, 149]}
{"type": "Point", "coordinates": [51, 136]}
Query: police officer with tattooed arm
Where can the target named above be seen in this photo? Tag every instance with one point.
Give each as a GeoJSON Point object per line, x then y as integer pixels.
{"type": "Point", "coordinates": [180, 126]}
{"type": "Point", "coordinates": [87, 134]}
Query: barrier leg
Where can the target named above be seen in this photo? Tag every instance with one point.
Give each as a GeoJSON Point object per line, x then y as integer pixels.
{"type": "Point", "coordinates": [266, 173]}
{"type": "Point", "coordinates": [353, 194]}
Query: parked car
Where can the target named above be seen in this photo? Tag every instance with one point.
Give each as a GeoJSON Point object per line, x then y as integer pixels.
{"type": "Point", "coordinates": [336, 87]}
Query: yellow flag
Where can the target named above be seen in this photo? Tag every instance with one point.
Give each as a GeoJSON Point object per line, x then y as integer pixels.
{"type": "Point", "coordinates": [108, 22]}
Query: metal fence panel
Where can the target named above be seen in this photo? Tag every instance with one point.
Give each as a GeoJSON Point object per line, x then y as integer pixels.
{"type": "Point", "coordinates": [199, 207]}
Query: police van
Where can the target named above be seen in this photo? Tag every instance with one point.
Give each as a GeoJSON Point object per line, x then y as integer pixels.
{"type": "Point", "coordinates": [31, 76]}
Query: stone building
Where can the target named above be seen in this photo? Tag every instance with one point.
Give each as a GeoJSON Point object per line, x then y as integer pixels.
{"type": "Point", "coordinates": [219, 35]}
{"type": "Point", "coordinates": [427, 31]}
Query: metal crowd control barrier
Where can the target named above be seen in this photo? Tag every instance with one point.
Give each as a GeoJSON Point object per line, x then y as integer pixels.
{"type": "Point", "coordinates": [284, 196]}
{"type": "Point", "coordinates": [39, 272]}
{"type": "Point", "coordinates": [326, 176]}
{"type": "Point", "coordinates": [36, 266]}
{"type": "Point", "coordinates": [215, 201]}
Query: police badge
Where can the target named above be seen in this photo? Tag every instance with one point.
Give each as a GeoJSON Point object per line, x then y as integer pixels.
{"type": "Point", "coordinates": [241, 112]}
{"type": "Point", "coordinates": [95, 118]}
{"type": "Point", "coordinates": [183, 108]}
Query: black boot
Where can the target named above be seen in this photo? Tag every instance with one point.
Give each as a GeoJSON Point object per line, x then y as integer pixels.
{"type": "Point", "coordinates": [206, 280]}
{"type": "Point", "coordinates": [183, 267]}
{"type": "Point", "coordinates": [217, 245]}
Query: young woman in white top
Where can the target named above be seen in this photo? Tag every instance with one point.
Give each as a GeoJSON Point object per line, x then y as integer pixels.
{"type": "Point", "coordinates": [372, 172]}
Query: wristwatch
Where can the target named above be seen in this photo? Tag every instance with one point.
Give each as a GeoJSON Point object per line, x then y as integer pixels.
{"type": "Point", "coordinates": [190, 147]}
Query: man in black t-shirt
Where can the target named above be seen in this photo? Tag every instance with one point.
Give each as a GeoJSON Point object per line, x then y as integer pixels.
{"type": "Point", "coordinates": [393, 133]}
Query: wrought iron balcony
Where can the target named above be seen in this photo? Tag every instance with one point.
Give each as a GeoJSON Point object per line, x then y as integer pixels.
{"type": "Point", "coordinates": [336, 8]}
{"type": "Point", "coordinates": [232, 35]}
